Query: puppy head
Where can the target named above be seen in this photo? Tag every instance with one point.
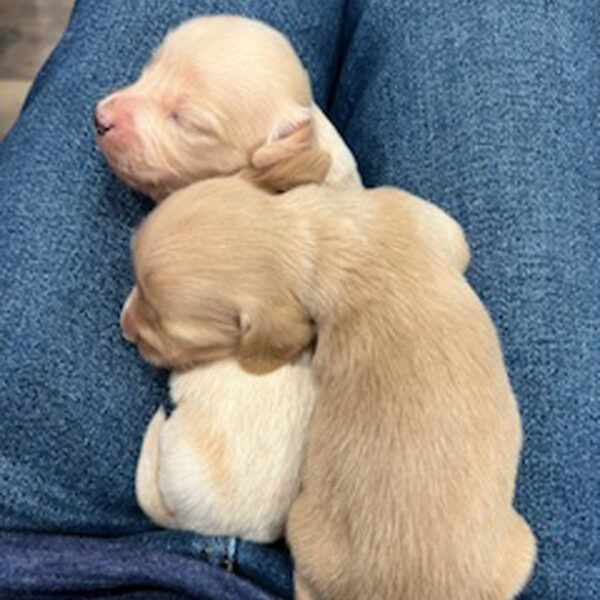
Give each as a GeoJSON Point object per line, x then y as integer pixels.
{"type": "Point", "coordinates": [221, 94]}
{"type": "Point", "coordinates": [211, 282]}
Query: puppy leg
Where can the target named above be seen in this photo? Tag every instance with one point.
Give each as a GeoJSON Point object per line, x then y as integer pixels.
{"type": "Point", "coordinates": [302, 590]}
{"type": "Point", "coordinates": [444, 234]}
{"type": "Point", "coordinates": [147, 489]}
{"type": "Point", "coordinates": [518, 558]}
{"type": "Point", "coordinates": [196, 480]}
{"type": "Point", "coordinates": [323, 569]}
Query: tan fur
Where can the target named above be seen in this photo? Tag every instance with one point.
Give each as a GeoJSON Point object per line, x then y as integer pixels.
{"type": "Point", "coordinates": [221, 94]}
{"type": "Point", "coordinates": [408, 480]}
{"type": "Point", "coordinates": [308, 166]}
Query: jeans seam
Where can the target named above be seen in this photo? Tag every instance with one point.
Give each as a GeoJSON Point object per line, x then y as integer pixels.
{"type": "Point", "coordinates": [230, 554]}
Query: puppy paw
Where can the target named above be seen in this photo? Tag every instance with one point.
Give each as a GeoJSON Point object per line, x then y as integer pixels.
{"type": "Point", "coordinates": [147, 488]}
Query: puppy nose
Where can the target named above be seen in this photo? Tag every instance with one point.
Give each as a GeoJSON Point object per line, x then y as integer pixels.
{"type": "Point", "coordinates": [101, 122]}
{"type": "Point", "coordinates": [128, 329]}
{"type": "Point", "coordinates": [128, 325]}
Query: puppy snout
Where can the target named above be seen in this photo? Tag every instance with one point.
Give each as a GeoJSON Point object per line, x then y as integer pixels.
{"type": "Point", "coordinates": [102, 123]}
{"type": "Point", "coordinates": [128, 327]}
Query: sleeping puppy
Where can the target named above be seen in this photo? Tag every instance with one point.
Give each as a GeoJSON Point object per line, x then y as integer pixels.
{"type": "Point", "coordinates": [223, 94]}
{"type": "Point", "coordinates": [408, 479]}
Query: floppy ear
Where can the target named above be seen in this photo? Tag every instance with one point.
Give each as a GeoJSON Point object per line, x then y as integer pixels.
{"type": "Point", "coordinates": [271, 339]}
{"type": "Point", "coordinates": [289, 157]}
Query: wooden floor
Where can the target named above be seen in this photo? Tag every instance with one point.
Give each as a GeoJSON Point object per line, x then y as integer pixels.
{"type": "Point", "coordinates": [29, 30]}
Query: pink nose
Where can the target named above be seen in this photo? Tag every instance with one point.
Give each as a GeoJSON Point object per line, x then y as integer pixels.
{"type": "Point", "coordinates": [129, 326]}
{"type": "Point", "coordinates": [102, 122]}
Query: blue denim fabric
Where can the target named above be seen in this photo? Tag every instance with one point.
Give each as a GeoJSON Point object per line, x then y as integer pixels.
{"type": "Point", "coordinates": [74, 397]}
{"type": "Point", "coordinates": [488, 109]}
{"type": "Point", "coordinates": [47, 566]}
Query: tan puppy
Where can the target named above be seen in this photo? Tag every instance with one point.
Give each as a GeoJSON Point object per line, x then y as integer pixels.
{"type": "Point", "coordinates": [222, 94]}
{"type": "Point", "coordinates": [413, 445]}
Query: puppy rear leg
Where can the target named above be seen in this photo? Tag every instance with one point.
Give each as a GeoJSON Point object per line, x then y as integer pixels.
{"type": "Point", "coordinates": [518, 558]}
{"type": "Point", "coordinates": [147, 489]}
{"type": "Point", "coordinates": [323, 569]}
{"type": "Point", "coordinates": [301, 589]}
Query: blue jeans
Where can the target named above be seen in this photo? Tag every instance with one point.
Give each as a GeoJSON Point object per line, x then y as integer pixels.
{"type": "Point", "coordinates": [487, 109]}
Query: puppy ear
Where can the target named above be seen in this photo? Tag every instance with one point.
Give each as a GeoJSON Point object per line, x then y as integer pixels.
{"type": "Point", "coordinates": [269, 340]}
{"type": "Point", "coordinates": [289, 136]}
{"type": "Point", "coordinates": [289, 157]}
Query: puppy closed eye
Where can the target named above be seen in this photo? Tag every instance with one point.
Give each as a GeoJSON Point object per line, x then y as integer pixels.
{"type": "Point", "coordinates": [187, 124]}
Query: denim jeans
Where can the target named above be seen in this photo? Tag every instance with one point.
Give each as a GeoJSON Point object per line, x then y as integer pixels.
{"type": "Point", "coordinates": [487, 109]}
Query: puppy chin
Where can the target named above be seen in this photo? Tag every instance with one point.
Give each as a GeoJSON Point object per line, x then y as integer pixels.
{"type": "Point", "coordinates": [199, 357]}
{"type": "Point", "coordinates": [127, 165]}
{"type": "Point", "coordinates": [151, 356]}
{"type": "Point", "coordinates": [156, 192]}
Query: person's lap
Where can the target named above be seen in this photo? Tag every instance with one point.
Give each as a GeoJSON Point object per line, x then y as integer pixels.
{"type": "Point", "coordinates": [75, 396]}
{"type": "Point", "coordinates": [475, 109]}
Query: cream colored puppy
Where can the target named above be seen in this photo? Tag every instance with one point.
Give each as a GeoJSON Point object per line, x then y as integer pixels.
{"type": "Point", "coordinates": [408, 480]}
{"type": "Point", "coordinates": [227, 464]}
{"type": "Point", "coordinates": [223, 94]}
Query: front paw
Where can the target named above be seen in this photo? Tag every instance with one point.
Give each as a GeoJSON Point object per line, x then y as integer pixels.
{"type": "Point", "coordinates": [147, 488]}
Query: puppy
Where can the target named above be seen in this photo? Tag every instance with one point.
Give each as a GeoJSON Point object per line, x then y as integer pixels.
{"type": "Point", "coordinates": [223, 94]}
{"type": "Point", "coordinates": [413, 444]}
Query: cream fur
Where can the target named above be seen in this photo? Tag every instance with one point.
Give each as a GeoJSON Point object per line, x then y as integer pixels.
{"type": "Point", "coordinates": [255, 108]}
{"type": "Point", "coordinates": [408, 480]}
{"type": "Point", "coordinates": [227, 464]}
{"type": "Point", "coordinates": [221, 94]}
